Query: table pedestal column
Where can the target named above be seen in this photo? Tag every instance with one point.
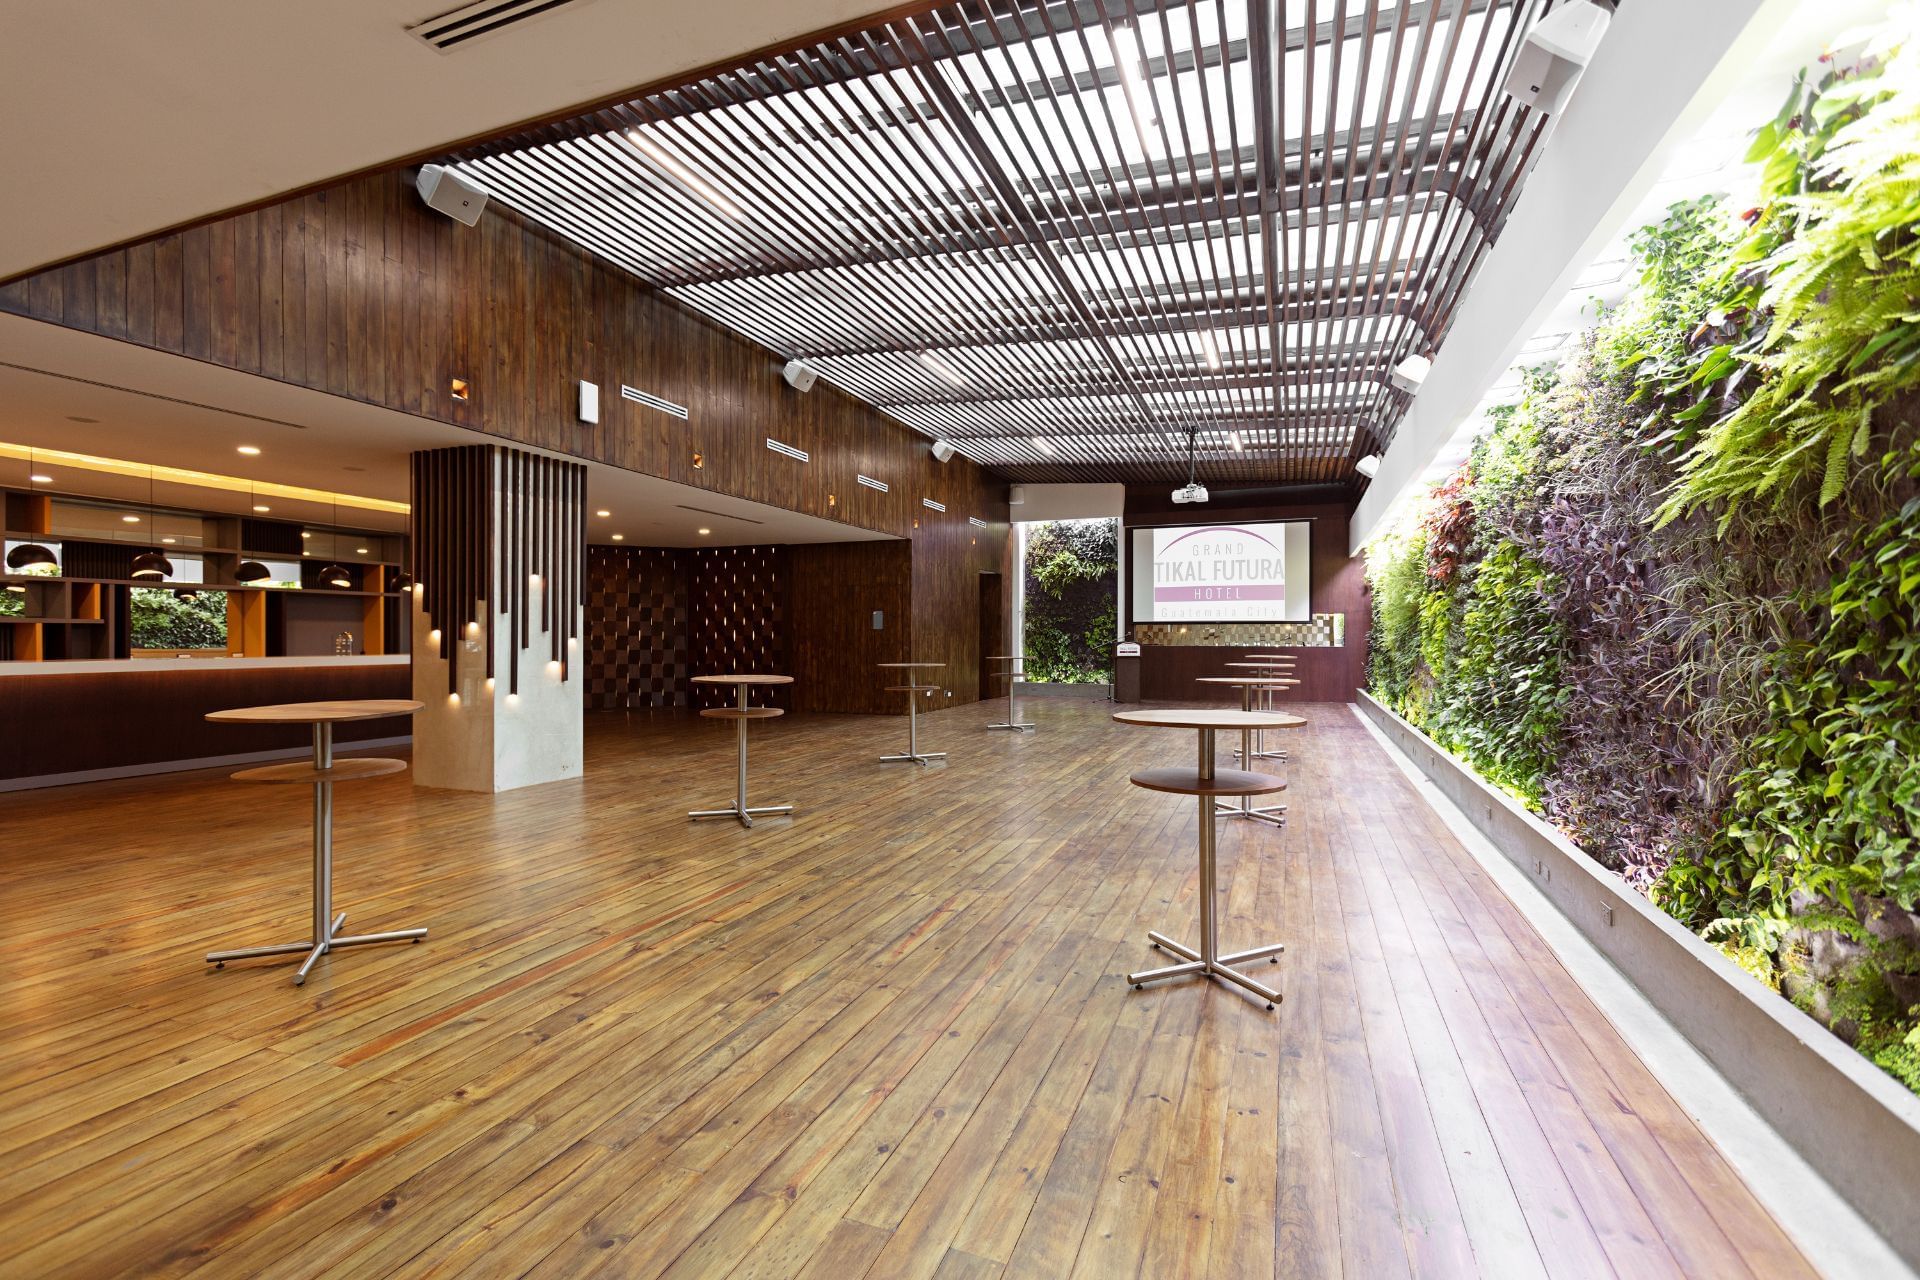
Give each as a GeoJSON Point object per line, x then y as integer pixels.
{"type": "Point", "coordinates": [913, 751]}
{"type": "Point", "coordinates": [326, 934]}
{"type": "Point", "coordinates": [740, 809]}
{"type": "Point", "coordinates": [1207, 961]}
{"type": "Point", "coordinates": [1273, 813]}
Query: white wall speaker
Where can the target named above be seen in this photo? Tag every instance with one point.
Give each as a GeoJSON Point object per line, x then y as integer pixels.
{"type": "Point", "coordinates": [800, 375]}
{"type": "Point", "coordinates": [451, 194]}
{"type": "Point", "coordinates": [942, 451]}
{"type": "Point", "coordinates": [1017, 495]}
{"type": "Point", "coordinates": [1556, 51]}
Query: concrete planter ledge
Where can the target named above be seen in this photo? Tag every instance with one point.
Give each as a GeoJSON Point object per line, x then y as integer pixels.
{"type": "Point", "coordinates": [1853, 1124]}
{"type": "Point", "coordinates": [1046, 689]}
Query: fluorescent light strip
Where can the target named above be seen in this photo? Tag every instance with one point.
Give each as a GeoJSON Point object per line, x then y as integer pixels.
{"type": "Point", "coordinates": [1210, 343]}
{"type": "Point", "coordinates": [652, 401]}
{"type": "Point", "coordinates": [1044, 445]}
{"type": "Point", "coordinates": [941, 369]}
{"type": "Point", "coordinates": [931, 505]}
{"type": "Point", "coordinates": [681, 174]}
{"type": "Point", "coordinates": [1126, 58]}
{"type": "Point", "coordinates": [871, 483]}
{"type": "Point", "coordinates": [798, 455]}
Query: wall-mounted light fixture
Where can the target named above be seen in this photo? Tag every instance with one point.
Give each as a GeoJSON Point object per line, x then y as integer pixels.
{"type": "Point", "coordinates": [459, 390]}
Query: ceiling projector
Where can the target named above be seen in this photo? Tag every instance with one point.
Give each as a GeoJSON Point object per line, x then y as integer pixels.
{"type": "Point", "coordinates": [1193, 492]}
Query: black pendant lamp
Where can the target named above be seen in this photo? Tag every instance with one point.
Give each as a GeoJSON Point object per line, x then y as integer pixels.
{"type": "Point", "coordinates": [251, 570]}
{"type": "Point", "coordinates": [185, 593]}
{"type": "Point", "coordinates": [334, 574]}
{"type": "Point", "coordinates": [29, 555]}
{"type": "Point", "coordinates": [150, 565]}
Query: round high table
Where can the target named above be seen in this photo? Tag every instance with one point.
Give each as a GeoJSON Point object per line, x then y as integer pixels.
{"type": "Point", "coordinates": [1208, 784]}
{"type": "Point", "coordinates": [322, 772]}
{"type": "Point", "coordinates": [1276, 667]}
{"type": "Point", "coordinates": [1011, 671]}
{"type": "Point", "coordinates": [1274, 813]}
{"type": "Point", "coordinates": [913, 690]}
{"type": "Point", "coordinates": [740, 713]}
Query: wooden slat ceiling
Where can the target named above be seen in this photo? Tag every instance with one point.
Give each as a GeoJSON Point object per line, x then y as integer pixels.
{"type": "Point", "coordinates": [1075, 239]}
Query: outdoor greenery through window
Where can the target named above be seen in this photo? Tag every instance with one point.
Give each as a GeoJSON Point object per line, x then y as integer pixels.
{"type": "Point", "coordinates": [1072, 583]}
{"type": "Point", "coordinates": [163, 620]}
{"type": "Point", "coordinates": [1672, 600]}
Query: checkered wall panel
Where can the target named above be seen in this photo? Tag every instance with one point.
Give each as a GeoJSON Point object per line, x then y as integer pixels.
{"type": "Point", "coordinates": [638, 637]}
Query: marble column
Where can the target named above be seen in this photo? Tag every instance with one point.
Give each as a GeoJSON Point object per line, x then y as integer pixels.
{"type": "Point", "coordinates": [499, 558]}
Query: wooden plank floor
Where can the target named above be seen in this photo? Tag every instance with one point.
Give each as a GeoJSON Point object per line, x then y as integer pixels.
{"type": "Point", "coordinates": [888, 1038]}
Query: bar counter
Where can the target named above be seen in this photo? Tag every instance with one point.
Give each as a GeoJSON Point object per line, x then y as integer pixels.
{"type": "Point", "coordinates": [73, 721]}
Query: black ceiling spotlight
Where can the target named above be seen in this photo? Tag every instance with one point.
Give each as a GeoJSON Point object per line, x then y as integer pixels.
{"type": "Point", "coordinates": [29, 555]}
{"type": "Point", "coordinates": [150, 565]}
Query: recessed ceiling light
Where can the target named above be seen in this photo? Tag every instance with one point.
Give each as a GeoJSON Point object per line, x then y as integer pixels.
{"type": "Point", "coordinates": [169, 541]}
{"type": "Point", "coordinates": [359, 551]}
{"type": "Point", "coordinates": [41, 479]}
{"type": "Point", "coordinates": [305, 534]}
{"type": "Point", "coordinates": [1043, 444]}
{"type": "Point", "coordinates": [131, 519]}
{"type": "Point", "coordinates": [619, 537]}
{"type": "Point", "coordinates": [603, 514]}
{"type": "Point", "coordinates": [261, 506]}
{"type": "Point", "coordinates": [251, 450]}
{"type": "Point", "coordinates": [705, 532]}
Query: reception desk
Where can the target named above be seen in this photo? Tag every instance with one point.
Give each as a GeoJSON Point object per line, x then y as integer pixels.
{"type": "Point", "coordinates": [84, 720]}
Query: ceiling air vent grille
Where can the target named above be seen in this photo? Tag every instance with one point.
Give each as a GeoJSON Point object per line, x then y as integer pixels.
{"type": "Point", "coordinates": [931, 505]}
{"type": "Point", "coordinates": [472, 22]}
{"type": "Point", "coordinates": [871, 483]}
{"type": "Point", "coordinates": [798, 455]}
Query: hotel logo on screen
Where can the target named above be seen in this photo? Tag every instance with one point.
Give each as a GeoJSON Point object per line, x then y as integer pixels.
{"type": "Point", "coordinates": [1219, 573]}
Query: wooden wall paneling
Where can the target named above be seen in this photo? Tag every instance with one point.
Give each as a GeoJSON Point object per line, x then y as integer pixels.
{"type": "Point", "coordinates": [381, 300]}
{"type": "Point", "coordinates": [836, 586]}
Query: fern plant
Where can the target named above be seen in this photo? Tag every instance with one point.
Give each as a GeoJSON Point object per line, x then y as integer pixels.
{"type": "Point", "coordinates": [1842, 289]}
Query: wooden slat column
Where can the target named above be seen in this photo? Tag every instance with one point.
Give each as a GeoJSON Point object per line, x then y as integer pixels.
{"type": "Point", "coordinates": [499, 547]}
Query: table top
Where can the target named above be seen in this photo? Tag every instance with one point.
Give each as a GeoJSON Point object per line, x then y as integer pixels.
{"type": "Point", "coordinates": [1250, 682]}
{"type": "Point", "coordinates": [902, 665]}
{"type": "Point", "coordinates": [741, 713]}
{"type": "Point", "coordinates": [345, 769]}
{"type": "Point", "coordinates": [743, 679]}
{"type": "Point", "coordinates": [1187, 781]}
{"type": "Point", "coordinates": [1201, 719]}
{"type": "Point", "coordinates": [318, 712]}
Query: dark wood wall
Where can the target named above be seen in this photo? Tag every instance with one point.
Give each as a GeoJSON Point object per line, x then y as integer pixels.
{"type": "Point", "coordinates": [837, 587]}
{"type": "Point", "coordinates": [360, 291]}
{"type": "Point", "coordinates": [1337, 584]}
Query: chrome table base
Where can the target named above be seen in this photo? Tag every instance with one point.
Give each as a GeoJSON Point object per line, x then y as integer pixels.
{"type": "Point", "coordinates": [1273, 813]}
{"type": "Point", "coordinates": [1207, 960]}
{"type": "Point", "coordinates": [326, 926]}
{"type": "Point", "coordinates": [739, 809]}
{"type": "Point", "coordinates": [1013, 720]}
{"type": "Point", "coordinates": [913, 751]}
